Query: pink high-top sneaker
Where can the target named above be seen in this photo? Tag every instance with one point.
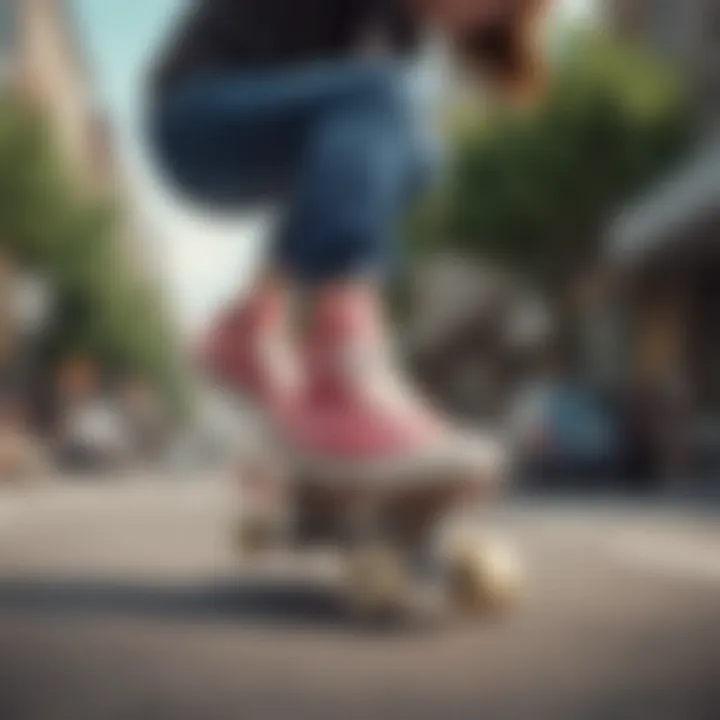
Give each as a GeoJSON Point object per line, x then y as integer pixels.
{"type": "Point", "coordinates": [248, 353]}
{"type": "Point", "coordinates": [358, 420]}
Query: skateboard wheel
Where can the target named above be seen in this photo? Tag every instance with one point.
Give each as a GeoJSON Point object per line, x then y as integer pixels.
{"type": "Point", "coordinates": [484, 577]}
{"type": "Point", "coordinates": [378, 582]}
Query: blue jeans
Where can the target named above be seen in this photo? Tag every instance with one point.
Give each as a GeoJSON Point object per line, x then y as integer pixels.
{"type": "Point", "coordinates": [338, 144]}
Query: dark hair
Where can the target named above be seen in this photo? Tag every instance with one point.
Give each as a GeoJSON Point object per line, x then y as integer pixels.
{"type": "Point", "coordinates": [508, 51]}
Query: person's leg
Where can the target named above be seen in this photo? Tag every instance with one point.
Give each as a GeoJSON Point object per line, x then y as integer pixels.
{"type": "Point", "coordinates": [230, 139]}
{"type": "Point", "coordinates": [362, 165]}
{"type": "Point", "coordinates": [352, 184]}
{"type": "Point", "coordinates": [235, 139]}
{"type": "Point", "coordinates": [341, 139]}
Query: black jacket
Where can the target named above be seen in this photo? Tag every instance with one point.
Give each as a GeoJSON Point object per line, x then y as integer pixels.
{"type": "Point", "coordinates": [241, 34]}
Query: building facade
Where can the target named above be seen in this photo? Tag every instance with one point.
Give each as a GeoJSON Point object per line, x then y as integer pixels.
{"type": "Point", "coordinates": [664, 252]}
{"type": "Point", "coordinates": [41, 62]}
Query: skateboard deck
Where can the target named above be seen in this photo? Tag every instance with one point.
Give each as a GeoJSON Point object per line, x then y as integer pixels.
{"type": "Point", "coordinates": [399, 542]}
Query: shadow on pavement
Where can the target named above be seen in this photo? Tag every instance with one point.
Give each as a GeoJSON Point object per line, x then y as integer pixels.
{"type": "Point", "coordinates": [280, 603]}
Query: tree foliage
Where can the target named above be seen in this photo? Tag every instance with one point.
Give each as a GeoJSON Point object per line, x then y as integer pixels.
{"type": "Point", "coordinates": [103, 308]}
{"type": "Point", "coordinates": [533, 192]}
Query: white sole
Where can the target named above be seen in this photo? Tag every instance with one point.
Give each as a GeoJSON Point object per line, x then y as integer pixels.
{"type": "Point", "coordinates": [261, 440]}
{"type": "Point", "coordinates": [428, 468]}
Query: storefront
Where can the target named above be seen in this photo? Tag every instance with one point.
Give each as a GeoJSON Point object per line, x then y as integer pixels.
{"type": "Point", "coordinates": [664, 256]}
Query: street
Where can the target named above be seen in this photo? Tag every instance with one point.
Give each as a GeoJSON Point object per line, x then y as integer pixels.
{"type": "Point", "coordinates": [124, 600]}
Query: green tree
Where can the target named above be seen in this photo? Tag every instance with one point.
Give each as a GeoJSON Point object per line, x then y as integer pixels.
{"type": "Point", "coordinates": [102, 308]}
{"type": "Point", "coordinates": [533, 192]}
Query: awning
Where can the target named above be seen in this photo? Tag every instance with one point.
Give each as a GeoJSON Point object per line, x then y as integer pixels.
{"type": "Point", "coordinates": [692, 195]}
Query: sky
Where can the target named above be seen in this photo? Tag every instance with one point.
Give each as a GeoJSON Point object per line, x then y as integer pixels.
{"type": "Point", "coordinates": [201, 261]}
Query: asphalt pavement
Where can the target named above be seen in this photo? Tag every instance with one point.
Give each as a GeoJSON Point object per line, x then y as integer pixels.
{"type": "Point", "coordinates": [124, 600]}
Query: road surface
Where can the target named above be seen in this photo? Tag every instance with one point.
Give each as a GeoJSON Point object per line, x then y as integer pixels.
{"type": "Point", "coordinates": [123, 601]}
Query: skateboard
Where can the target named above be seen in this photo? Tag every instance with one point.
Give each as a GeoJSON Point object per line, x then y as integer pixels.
{"type": "Point", "coordinates": [406, 547]}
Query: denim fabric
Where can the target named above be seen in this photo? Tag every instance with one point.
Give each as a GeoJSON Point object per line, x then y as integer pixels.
{"type": "Point", "coordinates": [337, 144]}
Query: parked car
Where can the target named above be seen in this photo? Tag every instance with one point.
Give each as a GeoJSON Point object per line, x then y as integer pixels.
{"type": "Point", "coordinates": [560, 432]}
